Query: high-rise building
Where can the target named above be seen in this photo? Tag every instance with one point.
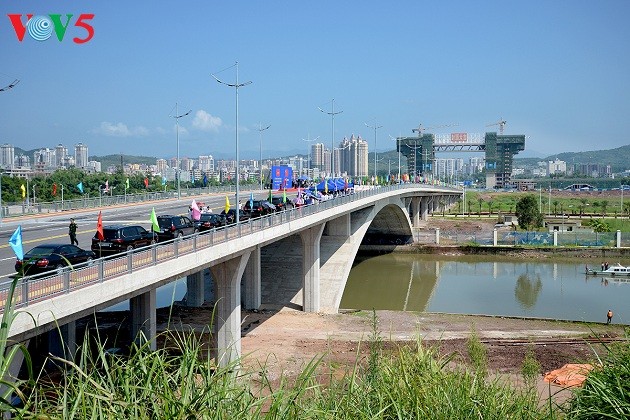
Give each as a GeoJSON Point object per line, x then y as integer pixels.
{"type": "Point", "coordinates": [317, 156]}
{"type": "Point", "coordinates": [206, 164]}
{"type": "Point", "coordinates": [61, 152]}
{"type": "Point", "coordinates": [81, 155]}
{"type": "Point", "coordinates": [45, 158]}
{"type": "Point", "coordinates": [161, 166]}
{"type": "Point", "coordinates": [7, 155]}
{"type": "Point", "coordinates": [187, 164]}
{"type": "Point", "coordinates": [556, 166]}
{"type": "Point", "coordinates": [354, 156]}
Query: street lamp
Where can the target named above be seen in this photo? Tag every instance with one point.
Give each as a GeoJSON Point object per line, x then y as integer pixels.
{"type": "Point", "coordinates": [7, 87]}
{"type": "Point", "coordinates": [260, 130]}
{"type": "Point", "coordinates": [332, 149]}
{"type": "Point", "coordinates": [375, 127]}
{"type": "Point", "coordinates": [235, 86]}
{"type": "Point", "coordinates": [10, 86]}
{"type": "Point", "coordinates": [395, 139]}
{"type": "Point", "coordinates": [177, 168]}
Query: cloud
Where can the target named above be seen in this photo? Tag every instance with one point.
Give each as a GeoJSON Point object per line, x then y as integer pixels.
{"type": "Point", "coordinates": [120, 130]}
{"type": "Point", "coordinates": [206, 122]}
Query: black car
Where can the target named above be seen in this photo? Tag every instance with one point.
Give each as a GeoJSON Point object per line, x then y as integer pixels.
{"type": "Point", "coordinates": [280, 203]}
{"type": "Point", "coordinates": [230, 217]}
{"type": "Point", "coordinates": [174, 227]}
{"type": "Point", "coordinates": [120, 238]}
{"type": "Point", "coordinates": [257, 208]}
{"type": "Point", "coordinates": [49, 257]}
{"type": "Point", "coordinates": [208, 221]}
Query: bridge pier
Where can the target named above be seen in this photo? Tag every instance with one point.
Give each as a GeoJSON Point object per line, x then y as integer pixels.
{"type": "Point", "coordinates": [311, 238]}
{"type": "Point", "coordinates": [195, 289]}
{"type": "Point", "coordinates": [424, 208]}
{"type": "Point", "coordinates": [62, 341]}
{"type": "Point", "coordinates": [416, 203]}
{"type": "Point", "coordinates": [252, 281]}
{"type": "Point", "coordinates": [144, 319]}
{"type": "Point", "coordinates": [227, 279]}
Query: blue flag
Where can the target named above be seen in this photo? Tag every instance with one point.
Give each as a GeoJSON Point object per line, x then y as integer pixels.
{"type": "Point", "coordinates": [163, 180]}
{"type": "Point", "coordinates": [80, 187]}
{"type": "Point", "coordinates": [192, 177]}
{"type": "Point", "coordinates": [251, 200]}
{"type": "Point", "coordinates": [205, 180]}
{"type": "Point", "coordinates": [16, 243]}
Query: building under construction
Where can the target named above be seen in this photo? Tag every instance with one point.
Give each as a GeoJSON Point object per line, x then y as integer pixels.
{"type": "Point", "coordinates": [499, 153]}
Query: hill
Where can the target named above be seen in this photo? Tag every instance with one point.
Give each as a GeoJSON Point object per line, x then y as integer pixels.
{"type": "Point", "coordinates": [616, 158]}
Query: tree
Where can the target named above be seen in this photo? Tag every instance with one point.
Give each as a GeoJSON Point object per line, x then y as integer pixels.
{"type": "Point", "coordinates": [527, 212]}
{"type": "Point", "coordinates": [480, 202]}
{"type": "Point", "coordinates": [490, 205]}
{"type": "Point", "coordinates": [555, 207]}
{"type": "Point", "coordinates": [604, 204]}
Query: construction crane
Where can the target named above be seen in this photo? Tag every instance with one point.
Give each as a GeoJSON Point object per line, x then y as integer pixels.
{"type": "Point", "coordinates": [420, 128]}
{"type": "Point", "coordinates": [501, 123]}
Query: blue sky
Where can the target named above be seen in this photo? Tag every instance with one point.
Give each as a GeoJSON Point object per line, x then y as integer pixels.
{"type": "Point", "coordinates": [556, 71]}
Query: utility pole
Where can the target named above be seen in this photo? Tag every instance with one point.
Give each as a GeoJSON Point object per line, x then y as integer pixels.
{"type": "Point", "coordinates": [375, 127]}
{"type": "Point", "coordinates": [332, 150]}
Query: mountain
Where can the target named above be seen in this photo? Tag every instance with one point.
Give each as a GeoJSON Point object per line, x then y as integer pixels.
{"type": "Point", "coordinates": [616, 158]}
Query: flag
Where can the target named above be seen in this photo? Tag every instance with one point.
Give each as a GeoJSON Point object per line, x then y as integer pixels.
{"type": "Point", "coordinates": [284, 196]}
{"type": "Point", "coordinates": [227, 204]}
{"type": "Point", "coordinates": [127, 183]}
{"type": "Point", "coordinates": [205, 180]}
{"type": "Point", "coordinates": [196, 213]}
{"type": "Point", "coordinates": [54, 189]}
{"type": "Point", "coordinates": [16, 243]}
{"type": "Point", "coordinates": [325, 185]}
{"type": "Point", "coordinates": [163, 180]}
{"type": "Point", "coordinates": [99, 227]}
{"type": "Point", "coordinates": [146, 182]}
{"type": "Point", "coordinates": [270, 195]}
{"type": "Point", "coordinates": [106, 189]}
{"type": "Point", "coordinates": [251, 199]}
{"type": "Point", "coordinates": [154, 223]}
{"type": "Point", "coordinates": [80, 187]}
{"type": "Point", "coordinates": [23, 190]}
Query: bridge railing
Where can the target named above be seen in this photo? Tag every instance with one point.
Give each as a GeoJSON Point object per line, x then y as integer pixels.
{"type": "Point", "coordinates": [31, 289]}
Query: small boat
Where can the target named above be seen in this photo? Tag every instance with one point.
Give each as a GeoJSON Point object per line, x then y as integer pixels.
{"type": "Point", "coordinates": [613, 270]}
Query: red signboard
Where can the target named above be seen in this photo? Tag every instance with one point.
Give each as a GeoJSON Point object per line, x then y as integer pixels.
{"type": "Point", "coordinates": [459, 137]}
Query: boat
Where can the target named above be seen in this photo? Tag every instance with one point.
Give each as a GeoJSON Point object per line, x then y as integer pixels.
{"type": "Point", "coordinates": [613, 270]}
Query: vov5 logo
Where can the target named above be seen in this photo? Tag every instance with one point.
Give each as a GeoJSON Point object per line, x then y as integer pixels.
{"type": "Point", "coordinates": [41, 27]}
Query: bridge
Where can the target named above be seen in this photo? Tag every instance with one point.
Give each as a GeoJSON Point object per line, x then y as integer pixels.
{"type": "Point", "coordinates": [323, 239]}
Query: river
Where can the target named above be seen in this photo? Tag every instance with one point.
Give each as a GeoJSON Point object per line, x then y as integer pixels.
{"type": "Point", "coordinates": [483, 285]}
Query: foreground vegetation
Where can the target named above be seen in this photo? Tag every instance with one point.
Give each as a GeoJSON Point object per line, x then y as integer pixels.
{"type": "Point", "coordinates": [180, 381]}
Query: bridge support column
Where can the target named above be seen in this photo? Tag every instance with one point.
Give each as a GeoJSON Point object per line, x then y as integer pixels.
{"type": "Point", "coordinates": [62, 341]}
{"type": "Point", "coordinates": [143, 319]}
{"type": "Point", "coordinates": [252, 281]}
{"type": "Point", "coordinates": [311, 238]}
{"type": "Point", "coordinates": [415, 211]}
{"type": "Point", "coordinates": [424, 208]}
{"type": "Point", "coordinates": [195, 289]}
{"type": "Point", "coordinates": [339, 226]}
{"type": "Point", "coordinates": [227, 277]}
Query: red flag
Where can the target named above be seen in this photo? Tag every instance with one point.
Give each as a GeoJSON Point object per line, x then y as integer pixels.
{"type": "Point", "coordinates": [99, 227]}
{"type": "Point", "coordinates": [54, 192]}
{"type": "Point", "coordinates": [146, 182]}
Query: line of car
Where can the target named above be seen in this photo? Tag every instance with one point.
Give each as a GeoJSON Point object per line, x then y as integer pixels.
{"type": "Point", "coordinates": [120, 238]}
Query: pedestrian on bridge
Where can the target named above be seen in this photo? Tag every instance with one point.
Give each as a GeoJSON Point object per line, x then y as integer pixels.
{"type": "Point", "coordinates": [72, 231]}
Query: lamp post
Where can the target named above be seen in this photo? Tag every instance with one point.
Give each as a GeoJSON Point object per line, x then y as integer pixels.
{"type": "Point", "coordinates": [260, 130]}
{"type": "Point", "coordinates": [61, 197]}
{"type": "Point", "coordinates": [332, 149]}
{"type": "Point", "coordinates": [308, 154]}
{"type": "Point", "coordinates": [5, 88]}
{"type": "Point", "coordinates": [177, 116]}
{"type": "Point", "coordinates": [235, 85]}
{"type": "Point", "coordinates": [375, 127]}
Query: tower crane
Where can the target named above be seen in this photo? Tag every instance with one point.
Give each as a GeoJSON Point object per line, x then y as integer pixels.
{"type": "Point", "coordinates": [501, 123]}
{"type": "Point", "coordinates": [420, 128]}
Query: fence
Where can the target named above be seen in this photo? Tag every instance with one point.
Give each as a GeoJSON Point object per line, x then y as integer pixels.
{"type": "Point", "coordinates": [497, 238]}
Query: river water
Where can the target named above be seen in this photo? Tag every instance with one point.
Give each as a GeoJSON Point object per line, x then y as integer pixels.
{"type": "Point", "coordinates": [483, 285]}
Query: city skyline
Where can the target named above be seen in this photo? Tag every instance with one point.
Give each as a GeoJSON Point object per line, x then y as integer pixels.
{"type": "Point", "coordinates": [553, 71]}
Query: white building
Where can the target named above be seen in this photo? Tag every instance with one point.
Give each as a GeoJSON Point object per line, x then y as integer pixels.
{"type": "Point", "coordinates": [7, 155]}
{"type": "Point", "coordinates": [81, 155]}
{"type": "Point", "coordinates": [206, 164]}
{"type": "Point", "coordinates": [556, 167]}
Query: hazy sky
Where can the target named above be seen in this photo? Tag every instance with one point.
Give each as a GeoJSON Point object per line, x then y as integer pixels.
{"type": "Point", "coordinates": [556, 71]}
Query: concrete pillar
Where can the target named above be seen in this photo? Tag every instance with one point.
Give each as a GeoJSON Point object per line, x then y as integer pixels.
{"type": "Point", "coordinates": [310, 267]}
{"type": "Point", "coordinates": [195, 290]}
{"type": "Point", "coordinates": [62, 341]}
{"type": "Point", "coordinates": [618, 239]}
{"type": "Point", "coordinates": [227, 277]}
{"type": "Point", "coordinates": [143, 318]}
{"type": "Point", "coordinates": [252, 281]}
{"type": "Point", "coordinates": [494, 238]}
{"type": "Point", "coordinates": [339, 226]}
{"type": "Point", "coordinates": [424, 208]}
{"type": "Point", "coordinates": [437, 236]}
{"type": "Point", "coordinates": [415, 211]}
{"type": "Point", "coordinates": [555, 238]}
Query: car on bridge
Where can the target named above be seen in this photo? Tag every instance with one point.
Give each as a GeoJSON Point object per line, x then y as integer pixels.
{"type": "Point", "coordinates": [48, 257]}
{"type": "Point", "coordinates": [230, 216]}
{"type": "Point", "coordinates": [281, 204]}
{"type": "Point", "coordinates": [119, 238]}
{"type": "Point", "coordinates": [257, 208]}
{"type": "Point", "coordinates": [209, 221]}
{"type": "Point", "coordinates": [172, 227]}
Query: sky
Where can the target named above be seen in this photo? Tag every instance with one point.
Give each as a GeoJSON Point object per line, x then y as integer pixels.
{"type": "Point", "coordinates": [557, 72]}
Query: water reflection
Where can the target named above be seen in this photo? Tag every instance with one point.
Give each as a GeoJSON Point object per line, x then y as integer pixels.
{"type": "Point", "coordinates": [484, 285]}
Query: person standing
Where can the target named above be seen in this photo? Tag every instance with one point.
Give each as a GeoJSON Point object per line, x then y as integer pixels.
{"type": "Point", "coordinates": [609, 316]}
{"type": "Point", "coordinates": [72, 231]}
